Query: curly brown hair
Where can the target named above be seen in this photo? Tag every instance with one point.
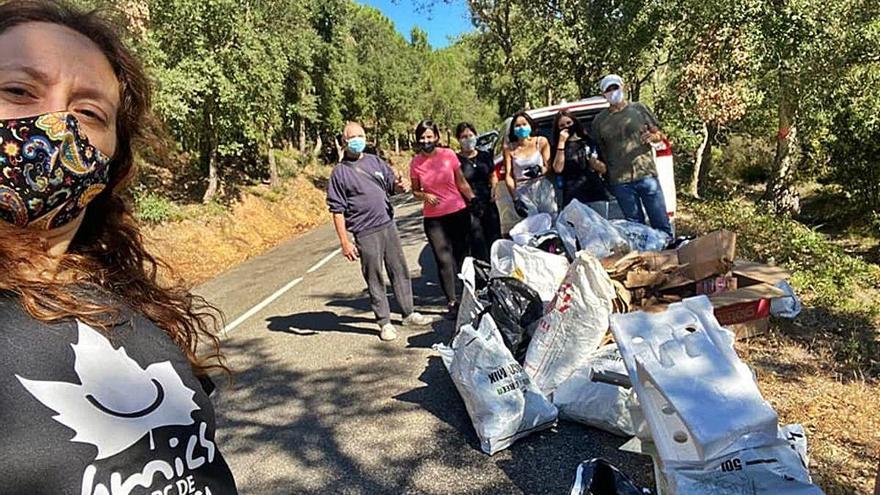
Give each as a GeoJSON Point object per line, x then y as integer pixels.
{"type": "Point", "coordinates": [107, 254]}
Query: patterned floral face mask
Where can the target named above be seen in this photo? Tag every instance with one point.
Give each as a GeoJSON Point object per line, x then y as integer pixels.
{"type": "Point", "coordinates": [48, 170]}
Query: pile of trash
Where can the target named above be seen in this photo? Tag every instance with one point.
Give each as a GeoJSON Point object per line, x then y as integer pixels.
{"type": "Point", "coordinates": [595, 321]}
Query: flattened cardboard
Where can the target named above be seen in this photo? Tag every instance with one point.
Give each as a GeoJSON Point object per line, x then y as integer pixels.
{"type": "Point", "coordinates": [746, 294]}
{"type": "Point", "coordinates": [750, 273]}
{"type": "Point", "coordinates": [704, 255]}
{"type": "Point", "coordinates": [639, 278]}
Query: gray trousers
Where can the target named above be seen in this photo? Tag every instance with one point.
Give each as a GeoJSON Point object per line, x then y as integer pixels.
{"type": "Point", "coordinates": [378, 249]}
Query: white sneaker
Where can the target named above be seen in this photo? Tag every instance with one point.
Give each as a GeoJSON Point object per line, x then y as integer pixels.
{"type": "Point", "coordinates": [418, 319]}
{"type": "Point", "coordinates": [388, 332]}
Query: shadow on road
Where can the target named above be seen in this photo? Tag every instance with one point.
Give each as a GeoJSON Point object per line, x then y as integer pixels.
{"type": "Point", "coordinates": [308, 422]}
{"type": "Point", "coordinates": [314, 322]}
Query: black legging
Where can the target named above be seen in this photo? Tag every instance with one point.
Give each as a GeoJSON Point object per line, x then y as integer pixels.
{"type": "Point", "coordinates": [448, 237]}
{"type": "Point", "coordinates": [484, 231]}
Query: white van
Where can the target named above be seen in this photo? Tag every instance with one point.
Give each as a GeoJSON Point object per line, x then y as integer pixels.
{"type": "Point", "coordinates": [585, 110]}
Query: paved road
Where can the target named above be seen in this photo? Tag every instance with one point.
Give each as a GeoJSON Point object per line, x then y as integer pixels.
{"type": "Point", "coordinates": [321, 405]}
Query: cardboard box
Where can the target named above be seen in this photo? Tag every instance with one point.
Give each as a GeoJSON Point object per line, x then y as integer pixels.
{"type": "Point", "coordinates": [740, 291]}
{"type": "Point", "coordinates": [751, 301]}
{"type": "Point", "coordinates": [750, 329]}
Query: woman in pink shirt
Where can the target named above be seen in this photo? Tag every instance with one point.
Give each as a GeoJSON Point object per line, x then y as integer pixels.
{"type": "Point", "coordinates": [437, 181]}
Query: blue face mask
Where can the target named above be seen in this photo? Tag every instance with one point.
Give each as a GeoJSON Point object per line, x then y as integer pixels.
{"type": "Point", "coordinates": [356, 145]}
{"type": "Point", "coordinates": [523, 132]}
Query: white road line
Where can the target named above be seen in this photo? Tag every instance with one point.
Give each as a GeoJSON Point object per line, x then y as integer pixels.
{"type": "Point", "coordinates": [324, 261]}
{"type": "Point", "coordinates": [278, 293]}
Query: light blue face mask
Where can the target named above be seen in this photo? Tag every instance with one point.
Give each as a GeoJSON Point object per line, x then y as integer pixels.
{"type": "Point", "coordinates": [356, 145]}
{"type": "Point", "coordinates": [615, 97]}
{"type": "Point", "coordinates": [523, 132]}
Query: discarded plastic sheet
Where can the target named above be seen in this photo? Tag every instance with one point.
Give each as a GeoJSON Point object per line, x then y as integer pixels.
{"type": "Point", "coordinates": [574, 325]}
{"type": "Point", "coordinates": [502, 402]}
{"type": "Point", "coordinates": [599, 477]}
{"type": "Point", "coordinates": [585, 399]}
{"type": "Point", "coordinates": [788, 306]}
{"type": "Point", "coordinates": [699, 400]}
{"type": "Point", "coordinates": [641, 237]}
{"type": "Point", "coordinates": [540, 270]}
{"type": "Point", "coordinates": [581, 228]}
{"type": "Point", "coordinates": [531, 227]}
{"type": "Point", "coordinates": [779, 468]}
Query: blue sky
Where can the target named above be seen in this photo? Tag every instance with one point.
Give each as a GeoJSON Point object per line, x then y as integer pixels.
{"type": "Point", "coordinates": [444, 20]}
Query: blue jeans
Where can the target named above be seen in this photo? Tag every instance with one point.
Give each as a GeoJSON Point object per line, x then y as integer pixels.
{"type": "Point", "coordinates": [632, 196]}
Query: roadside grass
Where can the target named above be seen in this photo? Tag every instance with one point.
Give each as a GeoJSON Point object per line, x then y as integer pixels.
{"type": "Point", "coordinates": [821, 369]}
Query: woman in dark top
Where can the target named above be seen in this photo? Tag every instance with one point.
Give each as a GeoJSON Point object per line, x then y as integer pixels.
{"type": "Point", "coordinates": [571, 160]}
{"type": "Point", "coordinates": [103, 370]}
{"type": "Point", "coordinates": [478, 168]}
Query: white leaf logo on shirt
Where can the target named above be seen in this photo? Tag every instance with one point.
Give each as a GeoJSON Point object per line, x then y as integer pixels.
{"type": "Point", "coordinates": [118, 402]}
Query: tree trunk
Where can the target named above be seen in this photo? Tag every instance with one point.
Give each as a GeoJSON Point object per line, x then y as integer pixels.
{"type": "Point", "coordinates": [209, 152]}
{"type": "Point", "coordinates": [302, 135]}
{"type": "Point", "coordinates": [708, 162]}
{"type": "Point", "coordinates": [703, 161]}
{"type": "Point", "coordinates": [781, 192]}
{"type": "Point", "coordinates": [274, 180]}
{"type": "Point", "coordinates": [396, 145]}
{"type": "Point", "coordinates": [213, 179]}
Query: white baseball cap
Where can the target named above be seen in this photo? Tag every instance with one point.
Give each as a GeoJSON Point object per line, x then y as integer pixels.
{"type": "Point", "coordinates": [610, 80]}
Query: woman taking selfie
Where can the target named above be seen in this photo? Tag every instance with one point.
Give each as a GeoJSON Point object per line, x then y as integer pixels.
{"type": "Point", "coordinates": [437, 181]}
{"type": "Point", "coordinates": [100, 380]}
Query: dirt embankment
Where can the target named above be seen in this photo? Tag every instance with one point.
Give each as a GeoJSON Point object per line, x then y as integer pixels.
{"type": "Point", "coordinates": [200, 248]}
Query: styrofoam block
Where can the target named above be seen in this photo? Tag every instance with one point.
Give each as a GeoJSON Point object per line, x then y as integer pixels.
{"type": "Point", "coordinates": [700, 401]}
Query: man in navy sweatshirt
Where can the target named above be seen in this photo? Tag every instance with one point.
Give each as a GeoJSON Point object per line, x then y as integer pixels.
{"type": "Point", "coordinates": [358, 196]}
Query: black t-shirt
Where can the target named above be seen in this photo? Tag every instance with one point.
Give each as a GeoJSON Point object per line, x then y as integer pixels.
{"type": "Point", "coordinates": [478, 172]}
{"type": "Point", "coordinates": [580, 181]}
{"type": "Point", "coordinates": [81, 413]}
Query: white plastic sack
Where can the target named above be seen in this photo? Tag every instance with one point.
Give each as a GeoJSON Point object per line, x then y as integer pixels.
{"type": "Point", "coordinates": [597, 404]}
{"type": "Point", "coordinates": [502, 402]}
{"type": "Point", "coordinates": [776, 469]}
{"type": "Point", "coordinates": [538, 269]}
{"type": "Point", "coordinates": [538, 195]}
{"type": "Point", "coordinates": [641, 237]}
{"type": "Point", "coordinates": [699, 399]}
{"type": "Point", "coordinates": [574, 325]}
{"type": "Point", "coordinates": [531, 227]}
{"type": "Point", "coordinates": [581, 228]}
{"type": "Point", "coordinates": [785, 307]}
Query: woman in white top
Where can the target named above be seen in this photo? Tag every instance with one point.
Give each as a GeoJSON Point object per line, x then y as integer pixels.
{"type": "Point", "coordinates": [526, 160]}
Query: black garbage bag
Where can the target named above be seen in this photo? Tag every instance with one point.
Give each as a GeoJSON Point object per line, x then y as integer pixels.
{"type": "Point", "coordinates": [481, 275]}
{"type": "Point", "coordinates": [600, 477]}
{"type": "Point", "coordinates": [550, 242]}
{"type": "Point", "coordinates": [516, 309]}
